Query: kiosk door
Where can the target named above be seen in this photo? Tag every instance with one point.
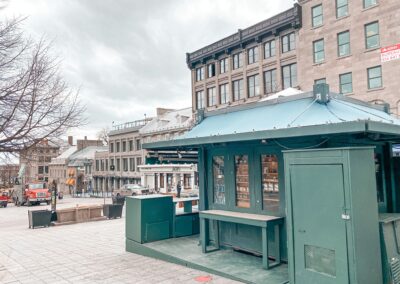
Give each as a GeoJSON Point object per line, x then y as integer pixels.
{"type": "Point", "coordinates": [319, 231]}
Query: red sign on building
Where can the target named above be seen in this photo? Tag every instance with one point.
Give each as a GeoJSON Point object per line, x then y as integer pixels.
{"type": "Point", "coordinates": [390, 53]}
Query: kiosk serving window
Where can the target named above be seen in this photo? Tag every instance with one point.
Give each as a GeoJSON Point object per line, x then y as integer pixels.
{"type": "Point", "coordinates": [219, 179]}
{"type": "Point", "coordinates": [269, 182]}
{"type": "Point", "coordinates": [242, 181]}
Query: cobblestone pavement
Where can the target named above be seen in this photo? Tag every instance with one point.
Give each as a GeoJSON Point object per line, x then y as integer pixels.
{"type": "Point", "coordinates": [91, 252]}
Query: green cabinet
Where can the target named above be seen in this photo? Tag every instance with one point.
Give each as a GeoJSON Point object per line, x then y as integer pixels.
{"type": "Point", "coordinates": [186, 224]}
{"type": "Point", "coordinates": [389, 225]}
{"type": "Point", "coordinates": [332, 216]}
{"type": "Point", "coordinates": [149, 218]}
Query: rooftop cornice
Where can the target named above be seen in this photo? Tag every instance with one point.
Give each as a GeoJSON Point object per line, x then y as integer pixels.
{"type": "Point", "coordinates": [290, 18]}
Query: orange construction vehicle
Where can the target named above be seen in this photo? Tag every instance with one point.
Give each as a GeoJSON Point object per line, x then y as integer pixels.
{"type": "Point", "coordinates": [32, 194]}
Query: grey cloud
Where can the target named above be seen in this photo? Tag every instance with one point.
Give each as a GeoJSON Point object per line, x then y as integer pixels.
{"type": "Point", "coordinates": [129, 55]}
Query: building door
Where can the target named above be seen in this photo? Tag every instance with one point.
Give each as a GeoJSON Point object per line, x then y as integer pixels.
{"type": "Point", "coordinates": [319, 232]}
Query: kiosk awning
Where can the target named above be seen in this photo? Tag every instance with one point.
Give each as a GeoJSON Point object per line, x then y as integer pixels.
{"type": "Point", "coordinates": [295, 116]}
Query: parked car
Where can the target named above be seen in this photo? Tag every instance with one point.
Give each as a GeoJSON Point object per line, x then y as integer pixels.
{"type": "Point", "coordinates": [130, 190]}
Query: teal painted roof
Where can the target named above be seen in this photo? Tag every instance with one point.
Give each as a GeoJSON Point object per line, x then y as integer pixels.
{"type": "Point", "coordinates": [298, 115]}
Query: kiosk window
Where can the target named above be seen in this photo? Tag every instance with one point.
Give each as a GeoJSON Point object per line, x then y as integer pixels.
{"type": "Point", "coordinates": [269, 179]}
{"type": "Point", "coordinates": [219, 180]}
{"type": "Point", "coordinates": [242, 181]}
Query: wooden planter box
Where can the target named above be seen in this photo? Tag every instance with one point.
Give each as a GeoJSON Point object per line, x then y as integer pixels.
{"type": "Point", "coordinates": [66, 215]}
{"type": "Point", "coordinates": [95, 211]}
{"type": "Point", "coordinates": [79, 214]}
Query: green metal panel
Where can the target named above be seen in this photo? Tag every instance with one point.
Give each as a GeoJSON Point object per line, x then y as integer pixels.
{"type": "Point", "coordinates": [390, 243]}
{"type": "Point", "coordinates": [149, 218]}
{"type": "Point", "coordinates": [186, 224]}
{"type": "Point", "coordinates": [358, 189]}
{"type": "Point", "coordinates": [318, 187]}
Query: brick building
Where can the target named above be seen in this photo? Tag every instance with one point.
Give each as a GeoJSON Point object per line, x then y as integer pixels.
{"type": "Point", "coordinates": [340, 43]}
{"type": "Point", "coordinates": [36, 160]}
{"type": "Point", "coordinates": [334, 41]}
{"type": "Point", "coordinates": [247, 65]}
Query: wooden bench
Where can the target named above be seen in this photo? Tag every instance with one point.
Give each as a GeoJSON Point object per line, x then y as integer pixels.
{"type": "Point", "coordinates": [263, 221]}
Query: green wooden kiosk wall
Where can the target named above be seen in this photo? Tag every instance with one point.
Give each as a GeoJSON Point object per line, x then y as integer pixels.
{"type": "Point", "coordinates": [248, 238]}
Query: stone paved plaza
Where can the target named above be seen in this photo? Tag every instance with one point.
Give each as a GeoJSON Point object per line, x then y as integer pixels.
{"type": "Point", "coordinates": [91, 252]}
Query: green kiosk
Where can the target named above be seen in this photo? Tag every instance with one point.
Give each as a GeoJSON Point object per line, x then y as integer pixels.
{"type": "Point", "coordinates": [293, 190]}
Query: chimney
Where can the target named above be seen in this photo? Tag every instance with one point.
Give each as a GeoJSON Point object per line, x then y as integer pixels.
{"type": "Point", "coordinates": [70, 140]}
{"type": "Point", "coordinates": [85, 137]}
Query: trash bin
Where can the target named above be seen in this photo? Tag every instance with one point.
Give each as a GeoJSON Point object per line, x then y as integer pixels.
{"type": "Point", "coordinates": [118, 200]}
{"type": "Point", "coordinates": [112, 211]}
{"type": "Point", "coordinates": [39, 218]}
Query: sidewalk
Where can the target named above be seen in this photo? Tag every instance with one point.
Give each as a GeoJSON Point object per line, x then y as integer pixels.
{"type": "Point", "coordinates": [91, 252]}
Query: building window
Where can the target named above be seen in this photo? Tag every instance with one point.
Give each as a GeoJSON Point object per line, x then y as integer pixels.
{"type": "Point", "coordinates": [102, 165]}
{"type": "Point", "coordinates": [223, 65]}
{"type": "Point", "coordinates": [211, 70]}
{"type": "Point", "coordinates": [118, 147]}
{"type": "Point", "coordinates": [342, 8]}
{"type": "Point", "coordinates": [374, 77]}
{"type": "Point", "coordinates": [132, 164]}
{"type": "Point", "coordinates": [112, 147]}
{"type": "Point", "coordinates": [123, 146]}
{"type": "Point", "coordinates": [224, 93]}
{"type": "Point", "coordinates": [125, 164]}
{"type": "Point", "coordinates": [200, 100]}
{"type": "Point", "coordinates": [270, 81]}
{"type": "Point", "coordinates": [211, 97]}
{"type": "Point", "coordinates": [199, 74]}
{"type": "Point", "coordinates": [343, 43]}
{"type": "Point", "coordinates": [288, 42]}
{"type": "Point", "coordinates": [270, 184]}
{"type": "Point", "coordinates": [90, 168]}
{"type": "Point", "coordinates": [130, 145]}
{"type": "Point", "coordinates": [242, 181]}
{"type": "Point", "coordinates": [252, 55]}
{"type": "Point", "coordinates": [289, 75]}
{"type": "Point", "coordinates": [111, 163]}
{"type": "Point", "coordinates": [317, 16]}
{"type": "Point", "coordinates": [269, 49]}
{"type": "Point", "coordinates": [40, 170]}
{"type": "Point", "coordinates": [346, 83]}
{"type": "Point", "coordinates": [218, 169]}
{"type": "Point", "coordinates": [372, 35]}
{"type": "Point", "coordinates": [238, 90]}
{"type": "Point", "coordinates": [320, 81]}
{"type": "Point", "coordinates": [237, 60]}
{"type": "Point", "coordinates": [138, 161]}
{"type": "Point", "coordinates": [118, 164]}
{"type": "Point", "coordinates": [319, 51]}
{"type": "Point", "coordinates": [138, 144]}
{"type": "Point", "coordinates": [253, 86]}
{"type": "Point", "coordinates": [369, 3]}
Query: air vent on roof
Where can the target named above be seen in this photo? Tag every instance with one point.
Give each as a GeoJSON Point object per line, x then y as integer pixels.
{"type": "Point", "coordinates": [321, 93]}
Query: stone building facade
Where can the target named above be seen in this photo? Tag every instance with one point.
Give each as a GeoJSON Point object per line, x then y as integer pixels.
{"type": "Point", "coordinates": [125, 160]}
{"type": "Point", "coordinates": [59, 169]}
{"type": "Point", "coordinates": [340, 43]}
{"type": "Point", "coordinates": [120, 164]}
{"type": "Point", "coordinates": [36, 160]}
{"type": "Point", "coordinates": [165, 169]}
{"type": "Point", "coordinates": [8, 173]}
{"type": "Point", "coordinates": [245, 66]}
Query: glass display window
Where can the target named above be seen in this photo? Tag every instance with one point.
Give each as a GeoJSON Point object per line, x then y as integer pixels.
{"type": "Point", "coordinates": [242, 181]}
{"type": "Point", "coordinates": [218, 168]}
{"type": "Point", "coordinates": [269, 182]}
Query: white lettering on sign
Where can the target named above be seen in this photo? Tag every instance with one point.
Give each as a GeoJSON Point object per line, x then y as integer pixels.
{"type": "Point", "coordinates": [390, 53]}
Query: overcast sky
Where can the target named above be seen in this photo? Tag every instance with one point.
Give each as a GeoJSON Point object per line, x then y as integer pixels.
{"type": "Point", "coordinates": [128, 56]}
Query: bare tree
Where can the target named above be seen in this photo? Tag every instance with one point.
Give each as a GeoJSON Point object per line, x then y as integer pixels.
{"type": "Point", "coordinates": [103, 135]}
{"type": "Point", "coordinates": [35, 102]}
